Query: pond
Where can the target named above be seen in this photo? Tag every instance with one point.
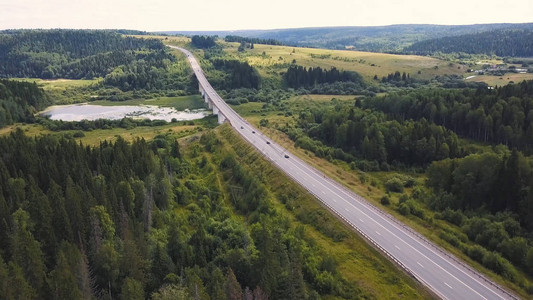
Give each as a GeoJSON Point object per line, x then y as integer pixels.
{"type": "Point", "coordinates": [78, 112]}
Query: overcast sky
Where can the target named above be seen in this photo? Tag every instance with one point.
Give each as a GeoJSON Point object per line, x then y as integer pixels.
{"type": "Point", "coordinates": [154, 15]}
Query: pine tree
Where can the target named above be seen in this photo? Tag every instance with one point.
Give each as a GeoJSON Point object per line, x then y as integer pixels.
{"type": "Point", "coordinates": [233, 288]}
{"type": "Point", "coordinates": [63, 282]}
{"type": "Point", "coordinates": [27, 252]}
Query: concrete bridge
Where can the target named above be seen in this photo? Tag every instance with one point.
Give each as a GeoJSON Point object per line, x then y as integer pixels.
{"type": "Point", "coordinates": [445, 275]}
{"type": "Point", "coordinates": [211, 104]}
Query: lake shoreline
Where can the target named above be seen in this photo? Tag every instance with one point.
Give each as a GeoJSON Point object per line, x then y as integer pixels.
{"type": "Point", "coordinates": [86, 111]}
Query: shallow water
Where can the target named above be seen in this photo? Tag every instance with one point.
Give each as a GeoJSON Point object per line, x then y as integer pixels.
{"type": "Point", "coordinates": [78, 112]}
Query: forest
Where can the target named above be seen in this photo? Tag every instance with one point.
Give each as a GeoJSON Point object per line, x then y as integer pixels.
{"type": "Point", "coordinates": [240, 39]}
{"type": "Point", "coordinates": [19, 101]}
{"type": "Point", "coordinates": [203, 42]}
{"type": "Point", "coordinates": [372, 140]}
{"type": "Point", "coordinates": [71, 54]}
{"type": "Point", "coordinates": [147, 219]}
{"type": "Point", "coordinates": [298, 76]}
{"type": "Point", "coordinates": [484, 191]}
{"type": "Point", "coordinates": [238, 74]}
{"type": "Point", "coordinates": [501, 115]}
{"type": "Point", "coordinates": [126, 63]}
{"type": "Point", "coordinates": [514, 43]}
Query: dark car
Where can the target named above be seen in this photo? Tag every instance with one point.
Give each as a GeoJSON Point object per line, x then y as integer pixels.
{"type": "Point", "coordinates": [286, 156]}
{"type": "Point", "coordinates": [242, 127]}
{"type": "Point", "coordinates": [268, 142]}
{"type": "Point", "coordinates": [253, 131]}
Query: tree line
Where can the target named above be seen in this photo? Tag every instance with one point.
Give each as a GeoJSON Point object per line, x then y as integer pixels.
{"type": "Point", "coordinates": [147, 220]}
{"type": "Point", "coordinates": [238, 74]}
{"type": "Point", "coordinates": [499, 183]}
{"type": "Point", "coordinates": [502, 115]}
{"type": "Point", "coordinates": [299, 76]}
{"type": "Point", "coordinates": [19, 101]}
{"type": "Point", "coordinates": [203, 42]}
{"type": "Point", "coordinates": [369, 136]}
{"type": "Point", "coordinates": [504, 42]}
{"type": "Point", "coordinates": [67, 53]}
{"type": "Point", "coordinates": [249, 40]}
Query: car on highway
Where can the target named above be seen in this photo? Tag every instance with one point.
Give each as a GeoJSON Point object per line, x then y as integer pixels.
{"type": "Point", "coordinates": [286, 156]}
{"type": "Point", "coordinates": [242, 127]}
{"type": "Point", "coordinates": [268, 143]}
{"type": "Point", "coordinates": [253, 131]}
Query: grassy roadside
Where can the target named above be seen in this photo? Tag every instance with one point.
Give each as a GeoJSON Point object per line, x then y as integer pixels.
{"type": "Point", "coordinates": [357, 261]}
{"type": "Point", "coordinates": [369, 185]}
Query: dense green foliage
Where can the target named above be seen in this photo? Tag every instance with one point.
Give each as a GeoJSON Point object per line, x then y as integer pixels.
{"type": "Point", "coordinates": [501, 184]}
{"type": "Point", "coordinates": [71, 54]}
{"type": "Point", "coordinates": [516, 43]}
{"type": "Point", "coordinates": [484, 191]}
{"type": "Point", "coordinates": [298, 76]}
{"type": "Point", "coordinates": [370, 136]}
{"type": "Point", "coordinates": [125, 63]}
{"type": "Point", "coordinates": [238, 75]}
{"type": "Point", "coordinates": [503, 115]}
{"type": "Point", "coordinates": [203, 42]}
{"type": "Point", "coordinates": [495, 182]}
{"type": "Point", "coordinates": [240, 39]}
{"type": "Point", "coordinates": [141, 220]}
{"type": "Point", "coordinates": [19, 101]}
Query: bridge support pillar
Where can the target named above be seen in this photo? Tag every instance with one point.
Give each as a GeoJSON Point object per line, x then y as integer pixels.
{"type": "Point", "coordinates": [221, 119]}
{"type": "Point", "coordinates": [215, 109]}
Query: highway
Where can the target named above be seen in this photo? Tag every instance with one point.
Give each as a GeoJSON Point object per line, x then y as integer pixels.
{"type": "Point", "coordinates": [443, 274]}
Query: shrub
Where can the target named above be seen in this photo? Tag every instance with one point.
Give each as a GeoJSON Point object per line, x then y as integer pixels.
{"type": "Point", "coordinates": [403, 198]}
{"type": "Point", "coordinates": [409, 182]}
{"type": "Point", "coordinates": [404, 209]}
{"type": "Point", "coordinates": [385, 200]}
{"type": "Point", "coordinates": [476, 253]}
{"type": "Point", "coordinates": [453, 216]}
{"type": "Point", "coordinates": [78, 134]}
{"type": "Point", "coordinates": [394, 185]}
{"type": "Point", "coordinates": [498, 264]}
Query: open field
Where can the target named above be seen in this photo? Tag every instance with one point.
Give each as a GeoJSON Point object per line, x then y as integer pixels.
{"type": "Point", "coordinates": [60, 84]}
{"type": "Point", "coordinates": [94, 137]}
{"type": "Point", "coordinates": [492, 80]}
{"type": "Point", "coordinates": [368, 64]}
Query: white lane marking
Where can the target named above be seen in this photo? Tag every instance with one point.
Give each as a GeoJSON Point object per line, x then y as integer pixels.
{"type": "Point", "coordinates": [448, 285]}
{"type": "Point", "coordinates": [346, 209]}
{"type": "Point", "coordinates": [407, 235]}
{"type": "Point", "coordinates": [397, 247]}
{"type": "Point", "coordinates": [401, 230]}
{"type": "Point", "coordinates": [361, 220]}
{"type": "Point", "coordinates": [405, 242]}
{"type": "Point", "coordinates": [378, 233]}
{"type": "Point", "coordinates": [420, 264]}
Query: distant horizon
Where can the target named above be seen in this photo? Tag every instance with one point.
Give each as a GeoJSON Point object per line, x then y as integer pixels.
{"type": "Point", "coordinates": [327, 26]}
{"type": "Point", "coordinates": [234, 15]}
{"type": "Point", "coordinates": [265, 29]}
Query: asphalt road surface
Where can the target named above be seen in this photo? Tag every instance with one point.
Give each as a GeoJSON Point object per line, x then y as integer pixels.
{"type": "Point", "coordinates": [445, 275]}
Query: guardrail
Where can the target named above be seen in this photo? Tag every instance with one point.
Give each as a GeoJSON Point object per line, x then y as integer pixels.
{"type": "Point", "coordinates": [375, 209]}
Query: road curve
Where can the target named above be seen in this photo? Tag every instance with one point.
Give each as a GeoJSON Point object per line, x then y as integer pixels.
{"type": "Point", "coordinates": [445, 275]}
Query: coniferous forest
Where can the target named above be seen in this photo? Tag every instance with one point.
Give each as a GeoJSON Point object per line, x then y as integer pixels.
{"type": "Point", "coordinates": [19, 101]}
{"type": "Point", "coordinates": [514, 43]}
{"type": "Point", "coordinates": [126, 63]}
{"type": "Point", "coordinates": [135, 220]}
{"type": "Point", "coordinates": [204, 217]}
